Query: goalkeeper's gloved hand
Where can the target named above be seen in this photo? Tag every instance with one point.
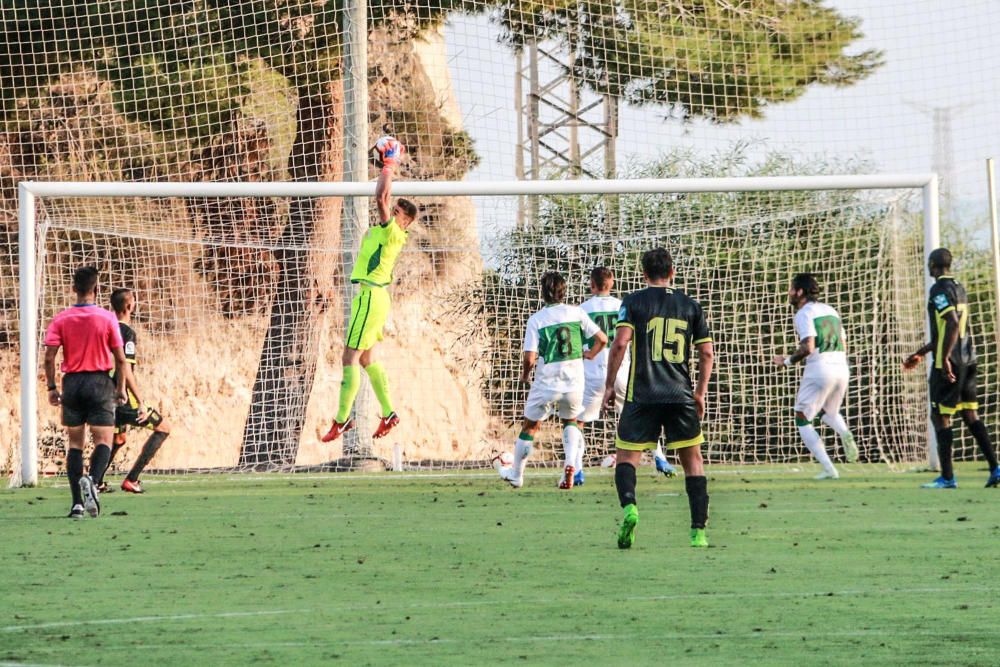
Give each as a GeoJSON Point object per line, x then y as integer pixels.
{"type": "Point", "coordinates": [390, 151]}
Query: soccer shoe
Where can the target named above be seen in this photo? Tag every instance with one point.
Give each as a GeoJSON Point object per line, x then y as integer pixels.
{"type": "Point", "coordinates": [698, 537]}
{"type": "Point", "coordinates": [663, 466]}
{"type": "Point", "coordinates": [567, 480]}
{"type": "Point", "coordinates": [828, 474]}
{"type": "Point", "coordinates": [338, 430]}
{"type": "Point", "coordinates": [104, 488]}
{"type": "Point", "coordinates": [91, 503]}
{"type": "Point", "coordinates": [386, 424]}
{"type": "Point", "coordinates": [626, 534]}
{"type": "Point", "coordinates": [850, 449]}
{"type": "Point", "coordinates": [994, 479]}
{"type": "Point", "coordinates": [507, 475]}
{"type": "Point", "coordinates": [76, 512]}
{"type": "Point", "coordinates": [578, 478]}
{"type": "Point", "coordinates": [132, 487]}
{"type": "Point", "coordinates": [941, 483]}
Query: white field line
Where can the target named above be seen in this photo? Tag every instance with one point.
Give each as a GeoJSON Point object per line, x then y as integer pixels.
{"type": "Point", "coordinates": [484, 603]}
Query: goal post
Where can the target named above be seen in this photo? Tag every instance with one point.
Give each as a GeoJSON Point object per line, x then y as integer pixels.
{"type": "Point", "coordinates": [32, 250]}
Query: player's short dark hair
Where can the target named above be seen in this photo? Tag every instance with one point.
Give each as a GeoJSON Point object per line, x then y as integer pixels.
{"type": "Point", "coordinates": [941, 258]}
{"type": "Point", "coordinates": [602, 276]}
{"type": "Point", "coordinates": [409, 208]}
{"type": "Point", "coordinates": [85, 279]}
{"type": "Point", "coordinates": [119, 297]}
{"type": "Point", "coordinates": [657, 263]}
{"type": "Point", "coordinates": [553, 287]}
{"type": "Point", "coordinates": [807, 283]}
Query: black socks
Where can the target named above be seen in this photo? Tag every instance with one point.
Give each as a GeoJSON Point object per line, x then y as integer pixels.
{"type": "Point", "coordinates": [944, 440]}
{"type": "Point", "coordinates": [74, 470]}
{"type": "Point", "coordinates": [625, 483]}
{"type": "Point", "coordinates": [982, 436]}
{"type": "Point", "coordinates": [697, 493]}
{"type": "Point", "coordinates": [146, 455]}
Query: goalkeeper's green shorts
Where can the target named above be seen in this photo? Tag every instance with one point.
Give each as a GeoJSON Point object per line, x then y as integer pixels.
{"type": "Point", "coordinates": [369, 311]}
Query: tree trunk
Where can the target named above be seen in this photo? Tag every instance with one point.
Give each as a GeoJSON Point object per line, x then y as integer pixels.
{"type": "Point", "coordinates": [304, 288]}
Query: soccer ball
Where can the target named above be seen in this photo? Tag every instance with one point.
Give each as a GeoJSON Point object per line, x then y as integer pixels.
{"type": "Point", "coordinates": [502, 460]}
{"type": "Point", "coordinates": [609, 461]}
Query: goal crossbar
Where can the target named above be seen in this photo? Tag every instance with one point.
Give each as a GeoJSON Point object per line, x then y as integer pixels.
{"type": "Point", "coordinates": [29, 191]}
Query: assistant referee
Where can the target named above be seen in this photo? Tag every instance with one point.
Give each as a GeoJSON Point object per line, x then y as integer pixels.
{"type": "Point", "coordinates": [91, 347]}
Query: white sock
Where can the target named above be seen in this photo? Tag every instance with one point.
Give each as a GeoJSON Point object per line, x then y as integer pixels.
{"type": "Point", "coordinates": [570, 445]}
{"type": "Point", "coordinates": [815, 444]}
{"type": "Point", "coordinates": [581, 445]}
{"type": "Point", "coordinates": [522, 450]}
{"type": "Point", "coordinates": [837, 423]}
{"type": "Point", "coordinates": [658, 454]}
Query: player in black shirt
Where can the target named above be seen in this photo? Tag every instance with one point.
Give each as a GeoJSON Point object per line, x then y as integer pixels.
{"type": "Point", "coordinates": [952, 380]}
{"type": "Point", "coordinates": [661, 326]}
{"type": "Point", "coordinates": [133, 414]}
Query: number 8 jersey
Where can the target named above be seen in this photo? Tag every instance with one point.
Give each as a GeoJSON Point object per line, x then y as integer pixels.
{"type": "Point", "coordinates": [557, 333]}
{"type": "Point", "coordinates": [666, 325]}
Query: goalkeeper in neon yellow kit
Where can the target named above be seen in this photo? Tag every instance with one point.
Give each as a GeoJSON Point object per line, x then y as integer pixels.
{"type": "Point", "coordinates": [372, 272]}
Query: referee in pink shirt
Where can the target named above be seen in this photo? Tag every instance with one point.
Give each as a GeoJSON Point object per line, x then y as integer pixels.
{"type": "Point", "coordinates": [92, 346]}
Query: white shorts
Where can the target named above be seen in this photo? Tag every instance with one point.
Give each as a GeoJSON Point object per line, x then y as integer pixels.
{"type": "Point", "coordinates": [543, 402]}
{"type": "Point", "coordinates": [821, 392]}
{"type": "Point", "coordinates": [593, 396]}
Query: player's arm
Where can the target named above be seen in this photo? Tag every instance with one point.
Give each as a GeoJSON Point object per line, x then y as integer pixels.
{"type": "Point", "coordinates": [950, 340]}
{"type": "Point", "coordinates": [806, 347]}
{"type": "Point", "coordinates": [383, 193]}
{"type": "Point", "coordinates": [120, 370]}
{"type": "Point", "coordinates": [914, 359]}
{"type": "Point", "coordinates": [600, 341]}
{"type": "Point", "coordinates": [528, 360]}
{"type": "Point", "coordinates": [130, 383]}
{"type": "Point", "coordinates": [619, 348]}
{"type": "Point", "coordinates": [50, 373]}
{"type": "Point", "coordinates": [706, 360]}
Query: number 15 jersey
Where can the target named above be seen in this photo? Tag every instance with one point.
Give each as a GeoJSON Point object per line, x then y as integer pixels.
{"type": "Point", "coordinates": [557, 333]}
{"type": "Point", "coordinates": [666, 325]}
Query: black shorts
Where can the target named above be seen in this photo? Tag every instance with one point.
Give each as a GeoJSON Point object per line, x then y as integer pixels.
{"type": "Point", "coordinates": [640, 425]}
{"type": "Point", "coordinates": [947, 398]}
{"type": "Point", "coordinates": [88, 398]}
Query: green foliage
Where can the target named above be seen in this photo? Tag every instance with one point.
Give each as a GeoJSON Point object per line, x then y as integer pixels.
{"type": "Point", "coordinates": [717, 60]}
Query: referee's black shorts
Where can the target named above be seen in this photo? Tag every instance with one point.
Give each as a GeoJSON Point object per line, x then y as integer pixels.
{"type": "Point", "coordinates": [88, 398]}
{"type": "Point", "coordinates": [947, 398]}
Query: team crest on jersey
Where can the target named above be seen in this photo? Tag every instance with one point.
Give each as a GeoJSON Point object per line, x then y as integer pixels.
{"type": "Point", "coordinates": [130, 348]}
{"type": "Point", "coordinates": [622, 314]}
{"type": "Point", "coordinates": [941, 301]}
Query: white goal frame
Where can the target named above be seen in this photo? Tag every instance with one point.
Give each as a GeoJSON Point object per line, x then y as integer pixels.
{"type": "Point", "coordinates": [29, 191]}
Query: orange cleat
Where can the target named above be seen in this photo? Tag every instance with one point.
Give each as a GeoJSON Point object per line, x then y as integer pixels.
{"type": "Point", "coordinates": [385, 425]}
{"type": "Point", "coordinates": [132, 487]}
{"type": "Point", "coordinates": [567, 481]}
{"type": "Point", "coordinates": [338, 430]}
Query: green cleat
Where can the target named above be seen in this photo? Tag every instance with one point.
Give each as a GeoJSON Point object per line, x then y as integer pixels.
{"type": "Point", "coordinates": [626, 534]}
{"type": "Point", "coordinates": [698, 537]}
{"type": "Point", "coordinates": [850, 448]}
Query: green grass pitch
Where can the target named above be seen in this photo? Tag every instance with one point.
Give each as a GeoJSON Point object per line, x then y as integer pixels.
{"type": "Point", "coordinates": [398, 569]}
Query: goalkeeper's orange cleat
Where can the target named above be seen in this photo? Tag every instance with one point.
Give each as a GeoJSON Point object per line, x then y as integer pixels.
{"type": "Point", "coordinates": [385, 425]}
{"type": "Point", "coordinates": [338, 430]}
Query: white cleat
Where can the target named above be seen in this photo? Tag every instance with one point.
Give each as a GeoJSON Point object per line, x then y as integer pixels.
{"type": "Point", "coordinates": [507, 475]}
{"type": "Point", "coordinates": [88, 490]}
{"type": "Point", "coordinates": [828, 474]}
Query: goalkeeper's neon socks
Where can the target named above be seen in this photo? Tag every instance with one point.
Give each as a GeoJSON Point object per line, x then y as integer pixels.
{"type": "Point", "coordinates": [941, 483]}
{"type": "Point", "coordinates": [626, 534]}
{"type": "Point", "coordinates": [698, 537]}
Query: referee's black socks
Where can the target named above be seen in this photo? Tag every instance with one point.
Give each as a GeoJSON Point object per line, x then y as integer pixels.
{"type": "Point", "coordinates": [625, 483]}
{"type": "Point", "coordinates": [697, 492]}
{"type": "Point", "coordinates": [74, 471]}
{"type": "Point", "coordinates": [100, 459]}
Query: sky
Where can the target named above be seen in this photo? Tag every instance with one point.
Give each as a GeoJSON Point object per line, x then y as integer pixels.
{"type": "Point", "coordinates": [937, 53]}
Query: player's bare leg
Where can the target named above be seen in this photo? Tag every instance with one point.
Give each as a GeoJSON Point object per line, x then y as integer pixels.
{"type": "Point", "coordinates": [696, 485]}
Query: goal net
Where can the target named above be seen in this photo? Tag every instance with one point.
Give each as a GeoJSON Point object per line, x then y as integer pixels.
{"type": "Point", "coordinates": [242, 301]}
